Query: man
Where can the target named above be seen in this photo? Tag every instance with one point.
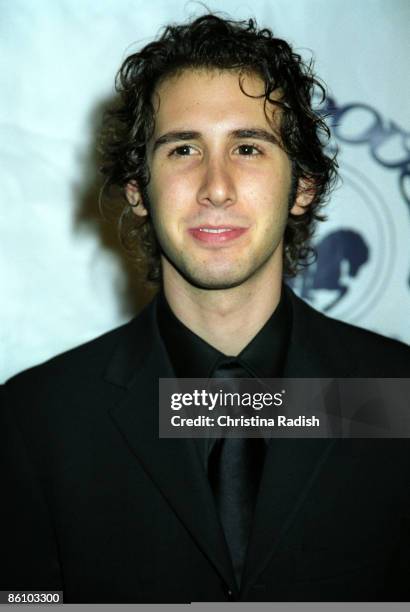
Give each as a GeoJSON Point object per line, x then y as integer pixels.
{"type": "Point", "coordinates": [220, 159]}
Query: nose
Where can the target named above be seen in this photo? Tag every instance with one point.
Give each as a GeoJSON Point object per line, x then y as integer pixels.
{"type": "Point", "coordinates": [217, 187]}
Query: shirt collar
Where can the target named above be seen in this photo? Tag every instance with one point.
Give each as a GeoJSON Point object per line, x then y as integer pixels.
{"type": "Point", "coordinates": [192, 357]}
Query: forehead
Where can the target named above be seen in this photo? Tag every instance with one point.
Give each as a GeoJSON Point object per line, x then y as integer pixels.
{"type": "Point", "coordinates": [196, 97]}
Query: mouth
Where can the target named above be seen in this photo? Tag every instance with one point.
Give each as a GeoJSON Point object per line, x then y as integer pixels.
{"type": "Point", "coordinates": [216, 234]}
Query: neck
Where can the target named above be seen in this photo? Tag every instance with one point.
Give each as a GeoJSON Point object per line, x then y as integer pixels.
{"type": "Point", "coordinates": [227, 319]}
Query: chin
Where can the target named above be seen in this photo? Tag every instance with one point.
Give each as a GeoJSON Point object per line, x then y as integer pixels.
{"type": "Point", "coordinates": [220, 275]}
{"type": "Point", "coordinates": [212, 281]}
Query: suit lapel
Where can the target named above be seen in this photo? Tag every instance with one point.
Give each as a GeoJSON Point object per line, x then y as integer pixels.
{"type": "Point", "coordinates": [290, 470]}
{"type": "Point", "coordinates": [291, 465]}
{"type": "Point", "coordinates": [172, 464]}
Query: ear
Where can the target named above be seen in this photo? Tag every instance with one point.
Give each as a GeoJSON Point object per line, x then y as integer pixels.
{"type": "Point", "coordinates": [133, 195]}
{"type": "Point", "coordinates": [304, 196]}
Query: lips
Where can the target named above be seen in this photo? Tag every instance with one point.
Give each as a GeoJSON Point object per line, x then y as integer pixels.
{"type": "Point", "coordinates": [216, 234]}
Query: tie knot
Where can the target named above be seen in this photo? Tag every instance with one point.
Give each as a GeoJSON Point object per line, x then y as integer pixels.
{"type": "Point", "coordinates": [230, 367]}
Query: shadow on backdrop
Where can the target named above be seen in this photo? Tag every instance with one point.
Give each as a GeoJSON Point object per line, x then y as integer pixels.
{"type": "Point", "coordinates": [131, 289]}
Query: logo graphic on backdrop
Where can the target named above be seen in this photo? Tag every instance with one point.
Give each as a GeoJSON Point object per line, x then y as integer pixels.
{"type": "Point", "coordinates": [355, 259]}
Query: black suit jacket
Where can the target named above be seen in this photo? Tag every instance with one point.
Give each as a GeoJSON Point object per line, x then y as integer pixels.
{"type": "Point", "coordinates": [95, 504]}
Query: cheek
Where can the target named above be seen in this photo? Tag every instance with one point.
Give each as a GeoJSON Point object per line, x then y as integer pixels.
{"type": "Point", "coordinates": [268, 182]}
{"type": "Point", "coordinates": [166, 211]}
{"type": "Point", "coordinates": [172, 193]}
{"type": "Point", "coordinates": [270, 213]}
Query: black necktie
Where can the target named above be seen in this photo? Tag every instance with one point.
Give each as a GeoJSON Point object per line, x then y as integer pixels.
{"type": "Point", "coordinates": [234, 471]}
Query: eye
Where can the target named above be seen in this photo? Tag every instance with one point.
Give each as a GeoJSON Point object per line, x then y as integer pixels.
{"type": "Point", "coordinates": [182, 151]}
{"type": "Point", "coordinates": [248, 150]}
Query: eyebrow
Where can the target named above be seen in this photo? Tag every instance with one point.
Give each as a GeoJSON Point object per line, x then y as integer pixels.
{"type": "Point", "coordinates": [257, 133]}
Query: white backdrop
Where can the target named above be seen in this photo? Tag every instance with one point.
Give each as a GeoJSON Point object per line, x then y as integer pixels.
{"type": "Point", "coordinates": [62, 280]}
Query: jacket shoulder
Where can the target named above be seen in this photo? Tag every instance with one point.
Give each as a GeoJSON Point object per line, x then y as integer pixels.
{"type": "Point", "coordinates": [365, 353]}
{"type": "Point", "coordinates": [87, 357]}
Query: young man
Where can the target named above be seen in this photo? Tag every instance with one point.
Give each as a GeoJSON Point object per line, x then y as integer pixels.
{"type": "Point", "coordinates": [219, 156]}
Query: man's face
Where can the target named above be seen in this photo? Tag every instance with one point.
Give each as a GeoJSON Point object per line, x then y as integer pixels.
{"type": "Point", "coordinates": [220, 182]}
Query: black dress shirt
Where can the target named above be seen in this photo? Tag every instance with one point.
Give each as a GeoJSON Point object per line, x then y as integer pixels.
{"type": "Point", "coordinates": [192, 357]}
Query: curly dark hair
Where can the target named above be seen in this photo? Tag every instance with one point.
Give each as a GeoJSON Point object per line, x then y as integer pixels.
{"type": "Point", "coordinates": [212, 42]}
